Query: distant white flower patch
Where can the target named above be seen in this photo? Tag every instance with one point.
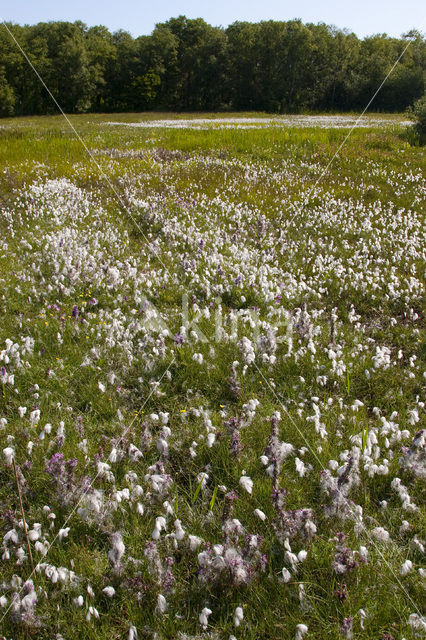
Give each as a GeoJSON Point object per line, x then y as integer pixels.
{"type": "Point", "coordinates": [323, 122]}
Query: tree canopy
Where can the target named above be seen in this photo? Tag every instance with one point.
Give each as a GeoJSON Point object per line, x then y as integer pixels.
{"type": "Point", "coordinates": [187, 64]}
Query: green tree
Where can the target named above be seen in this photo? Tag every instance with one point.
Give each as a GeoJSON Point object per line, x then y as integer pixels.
{"type": "Point", "coordinates": [121, 70]}
{"type": "Point", "coordinates": [244, 66]}
{"type": "Point", "coordinates": [196, 76]}
{"type": "Point", "coordinates": [100, 53]}
{"type": "Point", "coordinates": [7, 95]}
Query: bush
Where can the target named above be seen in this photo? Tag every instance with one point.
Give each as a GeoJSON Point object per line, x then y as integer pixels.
{"type": "Point", "coordinates": [419, 114]}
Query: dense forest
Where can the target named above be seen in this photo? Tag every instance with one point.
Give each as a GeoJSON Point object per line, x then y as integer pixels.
{"type": "Point", "coordinates": [190, 65]}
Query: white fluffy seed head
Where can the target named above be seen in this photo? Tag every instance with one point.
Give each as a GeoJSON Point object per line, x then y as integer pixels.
{"type": "Point", "coordinates": [238, 616]}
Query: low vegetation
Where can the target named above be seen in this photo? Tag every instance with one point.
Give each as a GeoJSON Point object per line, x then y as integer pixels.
{"type": "Point", "coordinates": [211, 381]}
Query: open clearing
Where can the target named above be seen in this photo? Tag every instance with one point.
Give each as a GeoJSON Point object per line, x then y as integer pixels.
{"type": "Point", "coordinates": [212, 378]}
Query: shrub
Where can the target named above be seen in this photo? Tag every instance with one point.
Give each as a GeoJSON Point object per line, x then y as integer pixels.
{"type": "Point", "coordinates": [419, 113]}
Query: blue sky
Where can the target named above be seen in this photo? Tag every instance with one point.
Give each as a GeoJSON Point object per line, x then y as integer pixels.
{"type": "Point", "coordinates": [364, 17]}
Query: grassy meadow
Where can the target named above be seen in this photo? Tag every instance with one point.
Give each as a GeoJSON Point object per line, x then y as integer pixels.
{"type": "Point", "coordinates": [211, 381]}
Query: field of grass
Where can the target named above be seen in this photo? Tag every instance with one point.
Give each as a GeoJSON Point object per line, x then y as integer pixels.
{"type": "Point", "coordinates": [211, 381]}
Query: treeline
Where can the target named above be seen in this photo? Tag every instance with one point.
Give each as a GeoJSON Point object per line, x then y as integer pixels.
{"type": "Point", "coordinates": [190, 65]}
